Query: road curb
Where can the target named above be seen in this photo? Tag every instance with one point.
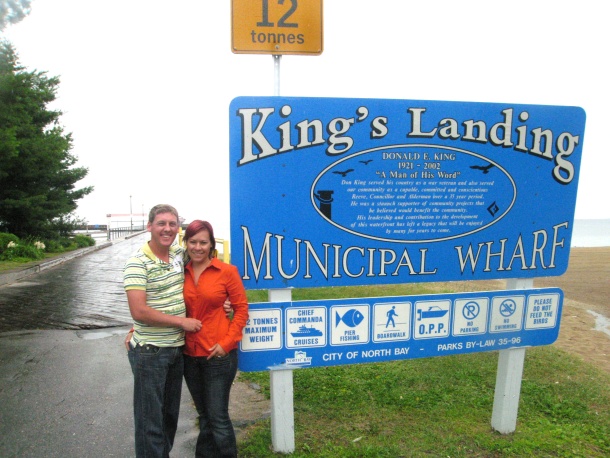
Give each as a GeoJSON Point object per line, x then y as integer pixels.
{"type": "Point", "coordinates": [12, 276]}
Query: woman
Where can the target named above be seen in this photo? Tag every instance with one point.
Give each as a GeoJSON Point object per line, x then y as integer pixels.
{"type": "Point", "coordinates": [210, 355]}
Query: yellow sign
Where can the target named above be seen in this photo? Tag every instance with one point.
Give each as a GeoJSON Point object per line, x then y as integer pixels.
{"type": "Point", "coordinates": [276, 26]}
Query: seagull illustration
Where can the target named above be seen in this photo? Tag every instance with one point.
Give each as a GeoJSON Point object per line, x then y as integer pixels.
{"type": "Point", "coordinates": [485, 168]}
{"type": "Point", "coordinates": [344, 174]}
{"type": "Point", "coordinates": [366, 162]}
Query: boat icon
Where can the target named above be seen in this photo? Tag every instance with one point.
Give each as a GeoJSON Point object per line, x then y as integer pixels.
{"type": "Point", "coordinates": [305, 331]}
{"type": "Point", "coordinates": [433, 311]}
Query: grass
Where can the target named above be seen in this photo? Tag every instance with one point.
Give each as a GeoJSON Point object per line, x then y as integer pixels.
{"type": "Point", "coordinates": [24, 259]}
{"type": "Point", "coordinates": [20, 263]}
{"type": "Point", "coordinates": [438, 407]}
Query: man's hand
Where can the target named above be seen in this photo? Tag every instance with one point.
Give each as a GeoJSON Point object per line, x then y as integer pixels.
{"type": "Point", "coordinates": [142, 312]}
{"type": "Point", "coordinates": [191, 325]}
{"type": "Point", "coordinates": [128, 339]}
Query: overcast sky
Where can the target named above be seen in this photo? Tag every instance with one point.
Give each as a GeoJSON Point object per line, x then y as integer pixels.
{"type": "Point", "coordinates": [146, 84]}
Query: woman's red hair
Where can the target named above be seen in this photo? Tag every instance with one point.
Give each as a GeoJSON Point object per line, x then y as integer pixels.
{"type": "Point", "coordinates": [197, 226]}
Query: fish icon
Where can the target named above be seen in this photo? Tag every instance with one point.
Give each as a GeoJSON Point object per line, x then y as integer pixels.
{"type": "Point", "coordinates": [351, 318]}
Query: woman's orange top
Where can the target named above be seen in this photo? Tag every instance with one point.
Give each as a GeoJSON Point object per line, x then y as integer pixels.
{"type": "Point", "coordinates": [205, 300]}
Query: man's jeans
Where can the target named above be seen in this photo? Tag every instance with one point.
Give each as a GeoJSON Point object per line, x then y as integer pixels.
{"type": "Point", "coordinates": [157, 375]}
{"type": "Point", "coordinates": [210, 384]}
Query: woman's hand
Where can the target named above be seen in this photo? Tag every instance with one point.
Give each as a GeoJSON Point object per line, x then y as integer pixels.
{"type": "Point", "coordinates": [217, 352]}
{"type": "Point", "coordinates": [227, 308]}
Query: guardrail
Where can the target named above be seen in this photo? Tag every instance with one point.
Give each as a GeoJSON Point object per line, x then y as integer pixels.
{"type": "Point", "coordinates": [222, 245]}
{"type": "Point", "coordinates": [118, 232]}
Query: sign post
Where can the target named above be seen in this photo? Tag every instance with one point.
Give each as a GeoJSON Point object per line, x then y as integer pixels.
{"type": "Point", "coordinates": [282, 393]}
{"type": "Point", "coordinates": [364, 191]}
{"type": "Point", "coordinates": [277, 28]}
{"type": "Point", "coordinates": [508, 378]}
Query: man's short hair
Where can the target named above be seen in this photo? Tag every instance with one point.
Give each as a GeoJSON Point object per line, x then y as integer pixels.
{"type": "Point", "coordinates": [161, 208]}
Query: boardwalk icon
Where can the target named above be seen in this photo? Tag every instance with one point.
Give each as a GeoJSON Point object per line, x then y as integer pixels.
{"type": "Point", "coordinates": [391, 314]}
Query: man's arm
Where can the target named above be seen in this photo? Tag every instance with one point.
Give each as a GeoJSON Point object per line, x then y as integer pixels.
{"type": "Point", "coordinates": [141, 312]}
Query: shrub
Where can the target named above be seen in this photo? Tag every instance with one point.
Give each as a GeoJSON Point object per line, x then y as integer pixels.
{"type": "Point", "coordinates": [5, 239]}
{"type": "Point", "coordinates": [83, 241]}
{"type": "Point", "coordinates": [29, 249]}
{"type": "Point", "coordinates": [34, 241]}
{"type": "Point", "coordinates": [21, 252]}
{"type": "Point", "coordinates": [67, 243]}
{"type": "Point", "coordinates": [53, 246]}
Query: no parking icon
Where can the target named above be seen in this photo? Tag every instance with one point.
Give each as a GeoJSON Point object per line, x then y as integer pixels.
{"type": "Point", "coordinates": [470, 316]}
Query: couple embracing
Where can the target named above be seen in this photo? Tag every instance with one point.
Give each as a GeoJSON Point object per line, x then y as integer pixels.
{"type": "Point", "coordinates": [182, 328]}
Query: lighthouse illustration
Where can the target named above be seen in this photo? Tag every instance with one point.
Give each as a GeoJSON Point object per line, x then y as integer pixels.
{"type": "Point", "coordinates": [325, 198]}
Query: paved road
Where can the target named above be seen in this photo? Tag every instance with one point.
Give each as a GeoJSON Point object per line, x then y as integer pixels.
{"type": "Point", "coordinates": [65, 382]}
{"type": "Point", "coordinates": [84, 293]}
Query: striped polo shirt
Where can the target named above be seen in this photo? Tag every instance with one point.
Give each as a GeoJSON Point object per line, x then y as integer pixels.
{"type": "Point", "coordinates": [164, 284]}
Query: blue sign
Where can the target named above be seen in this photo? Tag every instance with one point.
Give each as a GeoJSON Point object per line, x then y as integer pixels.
{"type": "Point", "coordinates": [365, 330]}
{"type": "Point", "coordinates": [336, 192]}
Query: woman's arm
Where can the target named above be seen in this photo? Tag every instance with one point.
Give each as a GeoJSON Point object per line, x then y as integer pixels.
{"type": "Point", "coordinates": [239, 303]}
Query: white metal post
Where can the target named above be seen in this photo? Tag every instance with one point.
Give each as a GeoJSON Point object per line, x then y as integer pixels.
{"type": "Point", "coordinates": [282, 388]}
{"type": "Point", "coordinates": [508, 378]}
{"type": "Point", "coordinates": [282, 393]}
{"type": "Point", "coordinates": [282, 410]}
{"type": "Point", "coordinates": [276, 74]}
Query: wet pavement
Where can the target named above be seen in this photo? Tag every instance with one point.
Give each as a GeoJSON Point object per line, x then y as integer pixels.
{"type": "Point", "coordinates": [83, 293]}
{"type": "Point", "coordinates": [65, 382]}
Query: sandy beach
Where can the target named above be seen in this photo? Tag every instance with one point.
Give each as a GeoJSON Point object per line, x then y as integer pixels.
{"type": "Point", "coordinates": [585, 322]}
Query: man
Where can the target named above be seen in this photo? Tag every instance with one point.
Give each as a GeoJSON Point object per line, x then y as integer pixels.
{"type": "Point", "coordinates": [153, 281]}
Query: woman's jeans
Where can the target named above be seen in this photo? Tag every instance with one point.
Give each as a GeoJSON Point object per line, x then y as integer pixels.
{"type": "Point", "coordinates": [157, 375]}
{"type": "Point", "coordinates": [210, 385]}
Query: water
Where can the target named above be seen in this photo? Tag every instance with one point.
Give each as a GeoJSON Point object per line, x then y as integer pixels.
{"type": "Point", "coordinates": [602, 323]}
{"type": "Point", "coordinates": [591, 233]}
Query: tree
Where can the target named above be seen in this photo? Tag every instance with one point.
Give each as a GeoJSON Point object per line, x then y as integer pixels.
{"type": "Point", "coordinates": [37, 173]}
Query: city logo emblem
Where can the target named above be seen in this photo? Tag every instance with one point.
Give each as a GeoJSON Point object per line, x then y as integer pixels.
{"type": "Point", "coordinates": [300, 359]}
